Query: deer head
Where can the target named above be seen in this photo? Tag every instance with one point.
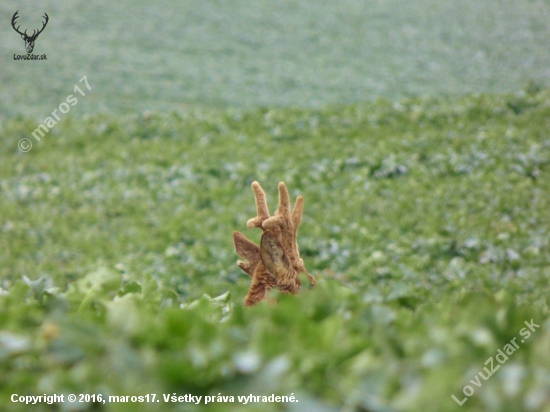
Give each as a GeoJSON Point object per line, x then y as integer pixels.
{"type": "Point", "coordinates": [276, 262]}
{"type": "Point", "coordinates": [29, 40]}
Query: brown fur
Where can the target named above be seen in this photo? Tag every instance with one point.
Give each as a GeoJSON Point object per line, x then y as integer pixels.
{"type": "Point", "coordinates": [276, 262]}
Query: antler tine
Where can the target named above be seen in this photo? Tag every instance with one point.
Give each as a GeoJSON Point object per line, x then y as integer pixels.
{"type": "Point", "coordinates": [282, 214]}
{"type": "Point", "coordinates": [296, 216]}
{"type": "Point", "coordinates": [261, 207]}
{"type": "Point", "coordinates": [45, 23]}
{"type": "Point", "coordinates": [13, 22]}
{"type": "Point", "coordinates": [284, 201]}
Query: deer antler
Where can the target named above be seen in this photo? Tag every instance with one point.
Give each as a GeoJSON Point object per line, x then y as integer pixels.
{"type": "Point", "coordinates": [34, 33]}
{"type": "Point", "coordinates": [13, 19]}
{"type": "Point", "coordinates": [277, 262]}
{"type": "Point", "coordinates": [34, 36]}
{"type": "Point", "coordinates": [261, 207]}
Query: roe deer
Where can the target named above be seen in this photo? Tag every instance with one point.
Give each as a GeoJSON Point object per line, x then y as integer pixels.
{"type": "Point", "coordinates": [276, 262]}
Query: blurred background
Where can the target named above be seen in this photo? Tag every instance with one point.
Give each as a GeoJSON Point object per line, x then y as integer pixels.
{"type": "Point", "coordinates": [165, 55]}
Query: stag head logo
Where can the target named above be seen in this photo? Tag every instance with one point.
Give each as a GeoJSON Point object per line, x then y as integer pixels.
{"type": "Point", "coordinates": [29, 40]}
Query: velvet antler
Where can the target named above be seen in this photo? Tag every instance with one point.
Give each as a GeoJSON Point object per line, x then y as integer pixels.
{"type": "Point", "coordinates": [276, 262]}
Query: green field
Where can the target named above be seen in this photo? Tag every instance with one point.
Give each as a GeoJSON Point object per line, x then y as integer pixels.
{"type": "Point", "coordinates": [167, 55]}
{"type": "Point", "coordinates": [418, 134]}
{"type": "Point", "coordinates": [426, 224]}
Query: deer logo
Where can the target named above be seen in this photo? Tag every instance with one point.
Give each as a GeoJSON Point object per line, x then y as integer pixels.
{"type": "Point", "coordinates": [29, 40]}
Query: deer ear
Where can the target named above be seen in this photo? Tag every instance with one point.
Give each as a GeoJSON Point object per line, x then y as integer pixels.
{"type": "Point", "coordinates": [248, 251]}
{"type": "Point", "coordinates": [273, 256]}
